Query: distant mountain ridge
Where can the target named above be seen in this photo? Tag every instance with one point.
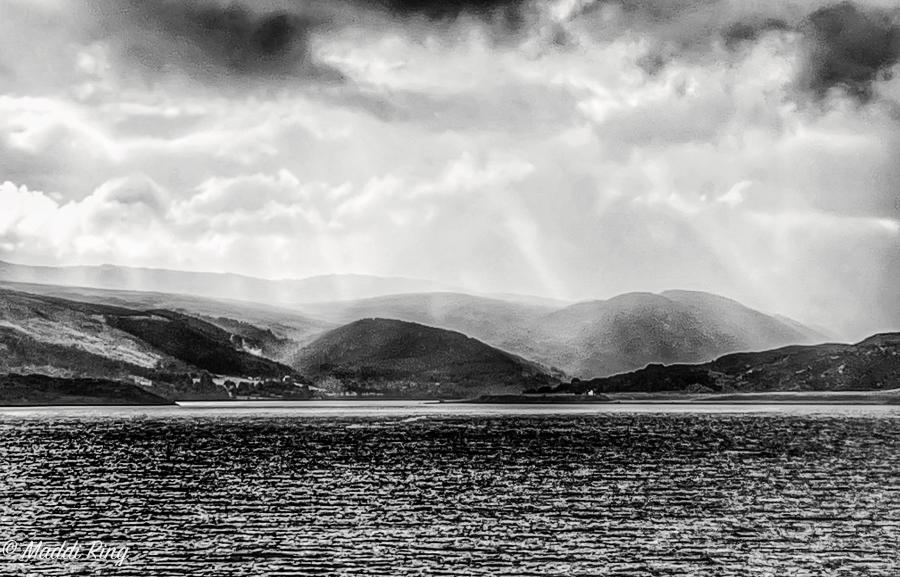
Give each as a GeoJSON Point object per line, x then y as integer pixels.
{"type": "Point", "coordinates": [872, 364]}
{"type": "Point", "coordinates": [282, 322]}
{"type": "Point", "coordinates": [426, 344]}
{"type": "Point", "coordinates": [218, 285]}
{"type": "Point", "coordinates": [585, 339]}
{"type": "Point", "coordinates": [629, 331]}
{"type": "Point", "coordinates": [591, 338]}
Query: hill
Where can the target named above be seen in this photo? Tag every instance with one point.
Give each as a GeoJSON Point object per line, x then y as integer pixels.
{"type": "Point", "coordinates": [585, 340]}
{"type": "Point", "coordinates": [164, 350]}
{"type": "Point", "coordinates": [873, 364]}
{"type": "Point", "coordinates": [270, 331]}
{"type": "Point", "coordinates": [594, 338]}
{"type": "Point", "coordinates": [194, 341]}
{"type": "Point", "coordinates": [498, 323]}
{"type": "Point", "coordinates": [407, 359]}
{"type": "Point", "coordinates": [601, 338]}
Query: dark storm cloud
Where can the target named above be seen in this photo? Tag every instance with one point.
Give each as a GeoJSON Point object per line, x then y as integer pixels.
{"type": "Point", "coordinates": [506, 12]}
{"type": "Point", "coordinates": [847, 45]}
{"type": "Point", "coordinates": [850, 48]}
{"type": "Point", "coordinates": [750, 30]}
{"type": "Point", "coordinates": [213, 40]}
{"type": "Point", "coordinates": [686, 29]}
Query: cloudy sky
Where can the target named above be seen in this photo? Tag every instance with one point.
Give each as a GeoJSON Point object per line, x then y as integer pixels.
{"type": "Point", "coordinates": [571, 148]}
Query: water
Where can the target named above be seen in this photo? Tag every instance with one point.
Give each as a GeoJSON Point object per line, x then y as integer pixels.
{"type": "Point", "coordinates": [427, 489]}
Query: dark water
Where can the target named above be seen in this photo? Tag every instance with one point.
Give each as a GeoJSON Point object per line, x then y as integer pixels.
{"type": "Point", "coordinates": [588, 493]}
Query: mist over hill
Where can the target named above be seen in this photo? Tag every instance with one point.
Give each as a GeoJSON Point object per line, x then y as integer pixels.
{"type": "Point", "coordinates": [585, 339]}
{"type": "Point", "coordinates": [499, 323]}
{"type": "Point", "coordinates": [408, 359]}
{"type": "Point", "coordinates": [627, 332]}
{"type": "Point", "coordinates": [284, 325]}
{"type": "Point", "coordinates": [594, 338]}
{"type": "Point", "coordinates": [169, 353]}
{"type": "Point", "coordinates": [217, 285]}
{"type": "Point", "coordinates": [421, 344]}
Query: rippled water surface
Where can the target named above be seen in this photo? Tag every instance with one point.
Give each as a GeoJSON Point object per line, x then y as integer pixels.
{"type": "Point", "coordinates": [412, 489]}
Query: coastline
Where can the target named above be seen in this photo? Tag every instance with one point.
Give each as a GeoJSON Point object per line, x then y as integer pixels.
{"type": "Point", "coordinates": [888, 397]}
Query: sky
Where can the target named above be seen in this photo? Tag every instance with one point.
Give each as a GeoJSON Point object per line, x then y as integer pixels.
{"type": "Point", "coordinates": [573, 149]}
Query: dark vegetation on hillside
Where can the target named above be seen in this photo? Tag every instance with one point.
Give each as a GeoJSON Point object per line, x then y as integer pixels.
{"type": "Point", "coordinates": [196, 342]}
{"type": "Point", "coordinates": [168, 353]}
{"type": "Point", "coordinates": [45, 390]}
{"type": "Point", "coordinates": [401, 357]}
{"type": "Point", "coordinates": [873, 364]}
{"type": "Point", "coordinates": [247, 336]}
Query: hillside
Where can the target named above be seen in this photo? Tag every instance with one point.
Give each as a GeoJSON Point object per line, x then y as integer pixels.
{"type": "Point", "coordinates": [19, 390]}
{"type": "Point", "coordinates": [283, 324]}
{"type": "Point", "coordinates": [196, 342]}
{"type": "Point", "coordinates": [121, 334]}
{"type": "Point", "coordinates": [160, 349]}
{"type": "Point", "coordinates": [627, 332]}
{"type": "Point", "coordinates": [873, 364]}
{"type": "Point", "coordinates": [498, 323]}
{"type": "Point", "coordinates": [408, 359]}
{"type": "Point", "coordinates": [594, 338]}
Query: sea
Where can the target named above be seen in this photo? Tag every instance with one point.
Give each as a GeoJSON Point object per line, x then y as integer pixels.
{"type": "Point", "coordinates": [417, 488]}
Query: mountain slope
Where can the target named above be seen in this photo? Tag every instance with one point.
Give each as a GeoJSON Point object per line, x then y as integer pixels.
{"type": "Point", "coordinates": [594, 338]}
{"type": "Point", "coordinates": [873, 364]}
{"type": "Point", "coordinates": [269, 331]}
{"type": "Point", "coordinates": [600, 338]}
{"type": "Point", "coordinates": [394, 356]}
{"type": "Point", "coordinates": [196, 342]}
{"type": "Point", "coordinates": [501, 324]}
{"type": "Point", "coordinates": [70, 339]}
{"type": "Point", "coordinates": [217, 285]}
{"type": "Point", "coordinates": [732, 317]}
{"type": "Point", "coordinates": [588, 339]}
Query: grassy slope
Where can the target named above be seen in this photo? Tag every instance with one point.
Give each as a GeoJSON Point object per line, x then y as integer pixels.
{"type": "Point", "coordinates": [282, 322]}
{"type": "Point", "coordinates": [381, 350]}
{"type": "Point", "coordinates": [873, 364]}
{"type": "Point", "coordinates": [44, 390]}
{"type": "Point", "coordinates": [68, 339]}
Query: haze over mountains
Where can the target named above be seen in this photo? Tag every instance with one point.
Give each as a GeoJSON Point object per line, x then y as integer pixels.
{"type": "Point", "coordinates": [84, 348]}
{"type": "Point", "coordinates": [433, 343]}
{"type": "Point", "coordinates": [284, 322]}
{"type": "Point", "coordinates": [400, 358]}
{"type": "Point", "coordinates": [68, 339]}
{"type": "Point", "coordinates": [217, 285]}
{"type": "Point", "coordinates": [595, 338]}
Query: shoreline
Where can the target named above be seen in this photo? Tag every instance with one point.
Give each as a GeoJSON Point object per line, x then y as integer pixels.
{"type": "Point", "coordinates": [889, 397]}
{"type": "Point", "coordinates": [874, 398]}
